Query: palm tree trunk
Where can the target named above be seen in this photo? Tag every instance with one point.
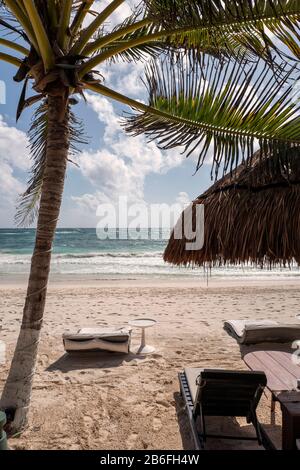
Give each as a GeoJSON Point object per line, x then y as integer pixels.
{"type": "Point", "coordinates": [17, 390]}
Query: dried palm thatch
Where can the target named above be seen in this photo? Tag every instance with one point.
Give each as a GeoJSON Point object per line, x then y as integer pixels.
{"type": "Point", "coordinates": [250, 217]}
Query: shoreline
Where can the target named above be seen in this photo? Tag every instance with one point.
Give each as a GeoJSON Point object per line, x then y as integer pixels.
{"type": "Point", "coordinates": [211, 282]}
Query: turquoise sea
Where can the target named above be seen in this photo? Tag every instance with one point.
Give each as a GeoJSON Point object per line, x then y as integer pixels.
{"type": "Point", "coordinates": [80, 251]}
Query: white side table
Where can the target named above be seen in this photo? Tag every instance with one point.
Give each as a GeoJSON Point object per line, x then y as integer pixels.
{"type": "Point", "coordinates": [143, 324]}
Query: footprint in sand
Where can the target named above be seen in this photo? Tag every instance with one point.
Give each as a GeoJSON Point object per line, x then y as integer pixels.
{"type": "Point", "coordinates": [103, 435]}
{"type": "Point", "coordinates": [130, 443]}
{"type": "Point", "coordinates": [88, 421]}
{"type": "Point", "coordinates": [43, 360]}
{"type": "Point", "coordinates": [157, 424]}
{"type": "Point", "coordinates": [157, 356]}
{"type": "Point", "coordinates": [163, 402]}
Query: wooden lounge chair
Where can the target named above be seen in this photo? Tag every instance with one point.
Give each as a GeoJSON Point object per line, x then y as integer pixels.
{"type": "Point", "coordinates": [221, 393]}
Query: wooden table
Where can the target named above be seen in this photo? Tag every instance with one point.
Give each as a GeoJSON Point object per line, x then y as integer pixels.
{"type": "Point", "coordinates": [282, 375]}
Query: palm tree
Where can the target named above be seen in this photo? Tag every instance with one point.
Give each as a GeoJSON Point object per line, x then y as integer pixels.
{"type": "Point", "coordinates": [209, 59]}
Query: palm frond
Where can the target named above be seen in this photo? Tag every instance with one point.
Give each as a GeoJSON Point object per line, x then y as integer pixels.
{"type": "Point", "coordinates": [239, 46]}
{"type": "Point", "coordinates": [29, 201]}
{"type": "Point", "coordinates": [194, 42]}
{"type": "Point", "coordinates": [94, 26]}
{"type": "Point", "coordinates": [26, 102]}
{"type": "Point", "coordinates": [9, 24]}
{"type": "Point", "coordinates": [248, 22]}
{"type": "Point", "coordinates": [231, 107]}
{"type": "Point", "coordinates": [81, 9]}
{"type": "Point", "coordinates": [140, 52]}
{"type": "Point", "coordinates": [35, 15]}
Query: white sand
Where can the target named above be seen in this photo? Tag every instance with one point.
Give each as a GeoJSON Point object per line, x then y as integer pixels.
{"type": "Point", "coordinates": [117, 402]}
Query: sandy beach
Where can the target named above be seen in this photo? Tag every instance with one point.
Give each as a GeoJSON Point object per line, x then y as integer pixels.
{"type": "Point", "coordinates": [126, 402]}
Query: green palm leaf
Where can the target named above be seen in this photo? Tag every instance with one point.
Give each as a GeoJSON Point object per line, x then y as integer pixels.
{"type": "Point", "coordinates": [228, 107]}
{"type": "Point", "coordinates": [195, 41]}
{"type": "Point", "coordinates": [221, 28]}
{"type": "Point", "coordinates": [136, 53]}
{"type": "Point", "coordinates": [8, 22]}
{"type": "Point", "coordinates": [246, 22]}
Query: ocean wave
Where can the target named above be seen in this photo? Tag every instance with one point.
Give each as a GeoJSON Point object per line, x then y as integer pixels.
{"type": "Point", "coordinates": [89, 259]}
{"type": "Point", "coordinates": [154, 254]}
{"type": "Point", "coordinates": [129, 264]}
{"type": "Point", "coordinates": [14, 260]}
{"type": "Point", "coordinates": [66, 232]}
{"type": "Point", "coordinates": [16, 233]}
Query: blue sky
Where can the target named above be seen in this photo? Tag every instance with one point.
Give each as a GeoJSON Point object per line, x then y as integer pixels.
{"type": "Point", "coordinates": [111, 165]}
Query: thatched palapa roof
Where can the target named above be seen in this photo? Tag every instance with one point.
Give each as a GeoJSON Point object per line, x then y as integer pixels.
{"type": "Point", "coordinates": [251, 216]}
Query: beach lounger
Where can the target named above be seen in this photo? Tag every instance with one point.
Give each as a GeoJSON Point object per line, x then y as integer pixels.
{"type": "Point", "coordinates": [98, 339]}
{"type": "Point", "coordinates": [221, 393]}
{"type": "Point", "coordinates": [264, 331]}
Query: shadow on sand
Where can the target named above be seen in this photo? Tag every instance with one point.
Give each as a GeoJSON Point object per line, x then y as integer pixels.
{"type": "Point", "coordinates": [91, 360]}
{"type": "Point", "coordinates": [223, 425]}
{"type": "Point", "coordinates": [183, 423]}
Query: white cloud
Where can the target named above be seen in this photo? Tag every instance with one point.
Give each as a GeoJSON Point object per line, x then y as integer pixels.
{"type": "Point", "coordinates": [10, 186]}
{"type": "Point", "coordinates": [183, 199]}
{"type": "Point", "coordinates": [106, 114]}
{"type": "Point", "coordinates": [14, 156]}
{"type": "Point", "coordinates": [119, 15]}
{"type": "Point", "coordinates": [122, 166]}
{"type": "Point", "coordinates": [124, 77]}
{"type": "Point", "coordinates": [13, 146]}
{"type": "Point", "coordinates": [109, 172]}
{"type": "Point", "coordinates": [90, 202]}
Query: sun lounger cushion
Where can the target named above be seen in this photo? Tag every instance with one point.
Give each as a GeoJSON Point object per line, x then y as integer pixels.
{"type": "Point", "coordinates": [95, 339]}
{"type": "Point", "coordinates": [264, 331]}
